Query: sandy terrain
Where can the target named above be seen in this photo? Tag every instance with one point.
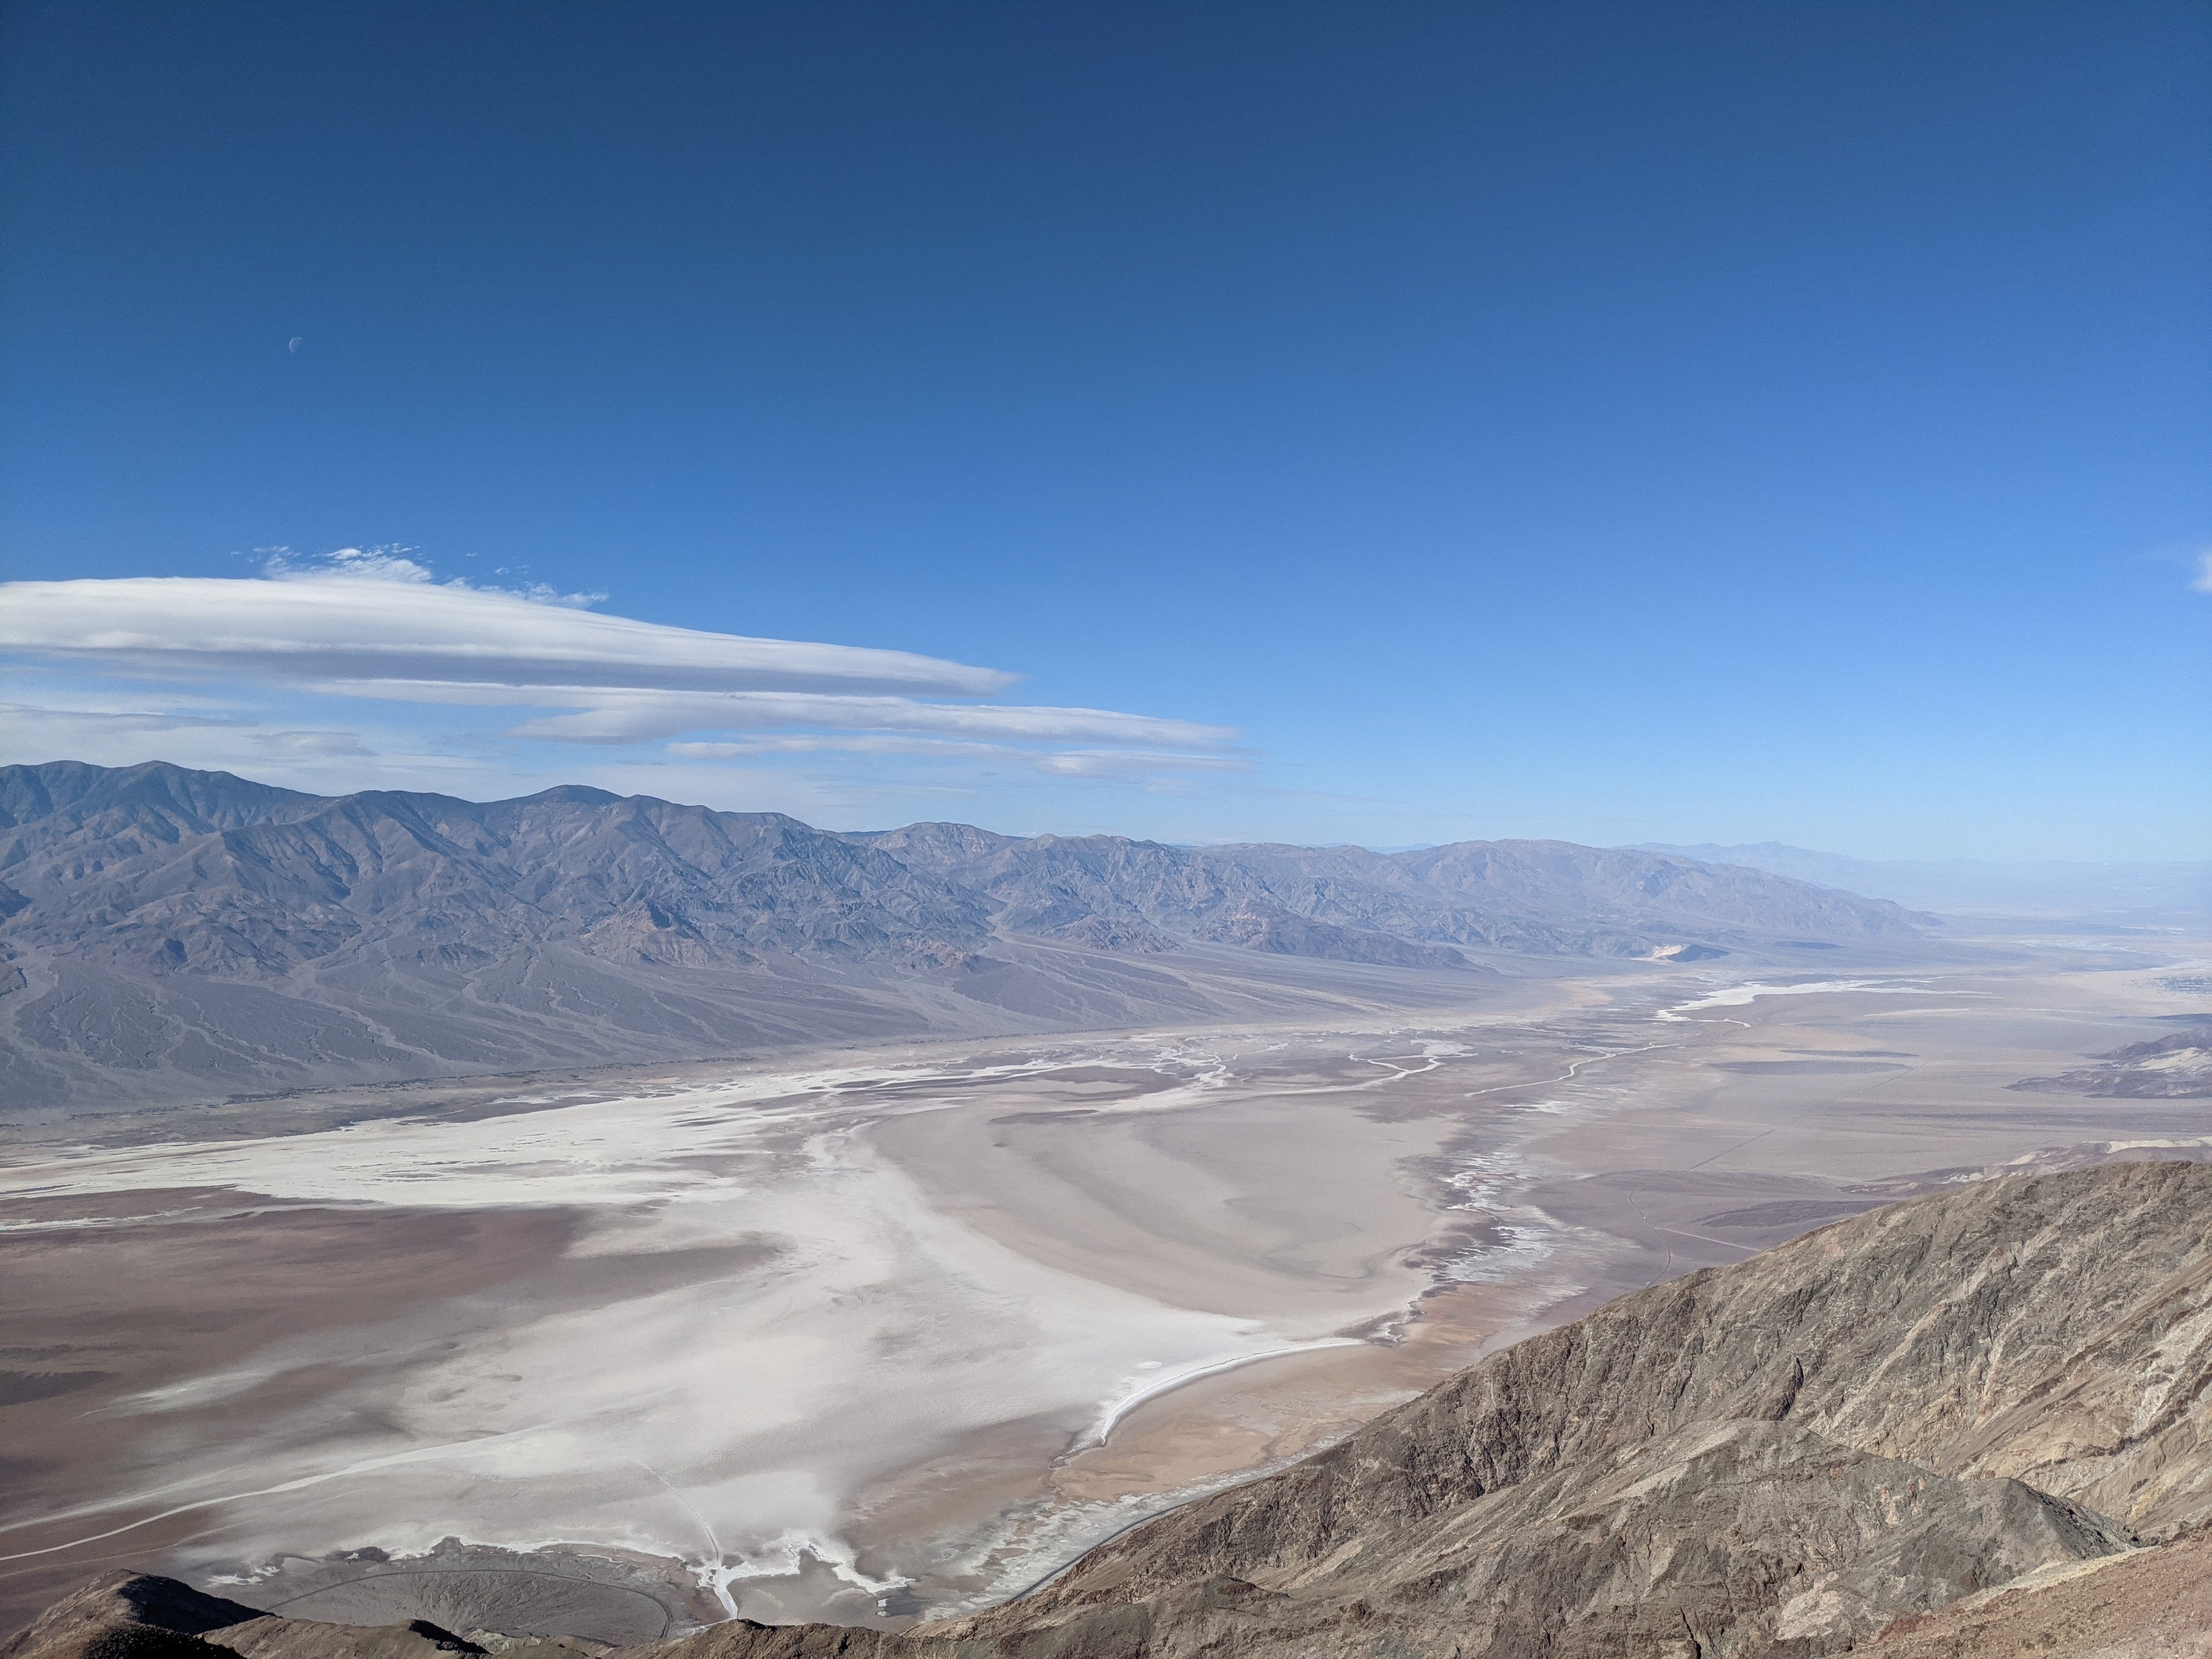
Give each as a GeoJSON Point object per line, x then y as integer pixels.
{"type": "Point", "coordinates": [941, 1317]}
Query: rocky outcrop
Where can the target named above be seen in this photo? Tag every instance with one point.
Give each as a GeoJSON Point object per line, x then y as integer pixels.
{"type": "Point", "coordinates": [2000, 1387]}
{"type": "Point", "coordinates": [2175, 1066]}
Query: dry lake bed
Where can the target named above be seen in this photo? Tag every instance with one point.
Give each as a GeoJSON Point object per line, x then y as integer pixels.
{"type": "Point", "coordinates": [856, 1335]}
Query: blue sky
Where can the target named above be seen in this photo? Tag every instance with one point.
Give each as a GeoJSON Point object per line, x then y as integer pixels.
{"type": "Point", "coordinates": [1394, 423]}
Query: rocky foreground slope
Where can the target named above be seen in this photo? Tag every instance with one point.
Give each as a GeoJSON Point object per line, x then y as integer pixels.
{"type": "Point", "coordinates": [171, 935]}
{"type": "Point", "coordinates": [1948, 1429]}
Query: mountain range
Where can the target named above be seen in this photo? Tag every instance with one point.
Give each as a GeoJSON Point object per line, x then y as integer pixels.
{"type": "Point", "coordinates": [173, 935]}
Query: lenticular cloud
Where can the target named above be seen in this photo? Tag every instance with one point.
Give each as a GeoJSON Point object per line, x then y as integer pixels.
{"type": "Point", "coordinates": [377, 627]}
{"type": "Point", "coordinates": [340, 625]}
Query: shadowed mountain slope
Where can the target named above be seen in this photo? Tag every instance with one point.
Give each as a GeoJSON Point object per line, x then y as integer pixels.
{"type": "Point", "coordinates": [129, 1615]}
{"type": "Point", "coordinates": [2002, 1385]}
{"type": "Point", "coordinates": [167, 933]}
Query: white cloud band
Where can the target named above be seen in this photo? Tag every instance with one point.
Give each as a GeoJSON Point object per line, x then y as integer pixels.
{"type": "Point", "coordinates": [341, 625]}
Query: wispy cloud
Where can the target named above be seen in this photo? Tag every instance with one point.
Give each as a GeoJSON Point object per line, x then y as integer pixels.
{"type": "Point", "coordinates": [42, 725]}
{"type": "Point", "coordinates": [628, 716]}
{"type": "Point", "coordinates": [1132, 763]}
{"type": "Point", "coordinates": [377, 625]}
{"type": "Point", "coordinates": [2203, 583]}
{"type": "Point", "coordinates": [45, 725]}
{"type": "Point", "coordinates": [1066, 764]}
{"type": "Point", "coordinates": [838, 743]}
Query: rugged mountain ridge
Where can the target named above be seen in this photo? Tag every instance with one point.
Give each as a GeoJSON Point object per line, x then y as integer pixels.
{"type": "Point", "coordinates": [1835, 1445]}
{"type": "Point", "coordinates": [166, 932]}
{"type": "Point", "coordinates": [1542, 897]}
{"type": "Point", "coordinates": [183, 871]}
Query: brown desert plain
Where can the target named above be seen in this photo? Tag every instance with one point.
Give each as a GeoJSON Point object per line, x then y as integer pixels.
{"type": "Point", "coordinates": [865, 1333]}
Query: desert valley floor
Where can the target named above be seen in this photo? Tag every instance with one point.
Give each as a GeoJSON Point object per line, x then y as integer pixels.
{"type": "Point", "coordinates": [856, 1334]}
